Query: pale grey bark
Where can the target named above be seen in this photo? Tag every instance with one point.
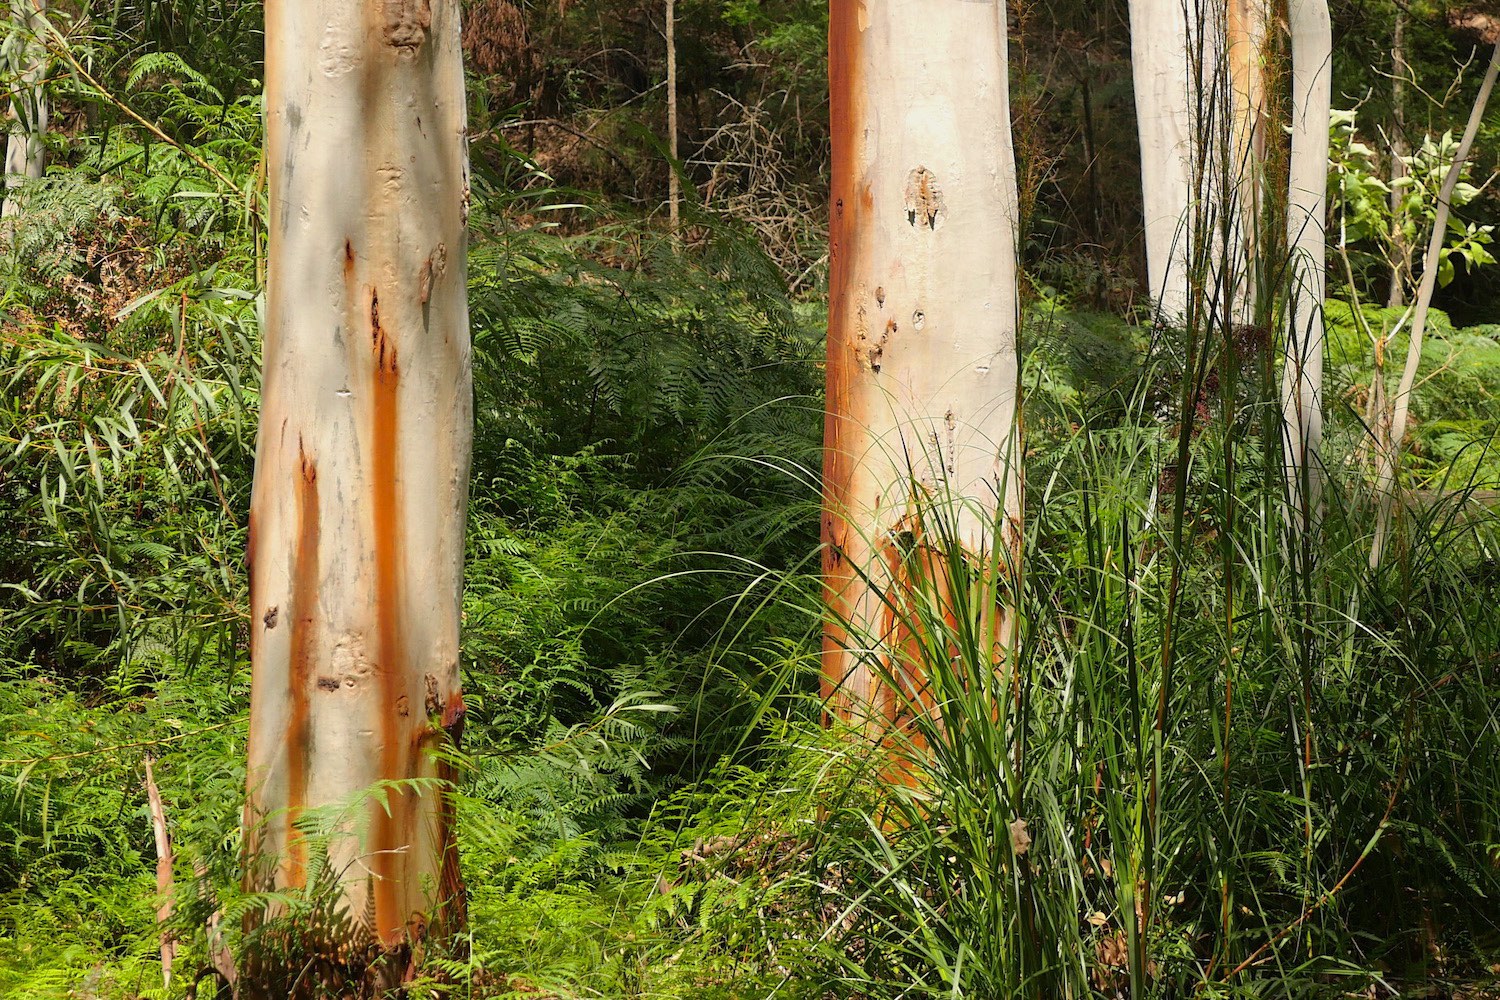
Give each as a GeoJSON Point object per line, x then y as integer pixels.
{"type": "Point", "coordinates": [922, 348]}
{"type": "Point", "coordinates": [1307, 208]}
{"type": "Point", "coordinates": [362, 461]}
{"type": "Point", "coordinates": [26, 117]}
{"type": "Point", "coordinates": [1200, 116]}
{"type": "Point", "coordinates": [1164, 70]}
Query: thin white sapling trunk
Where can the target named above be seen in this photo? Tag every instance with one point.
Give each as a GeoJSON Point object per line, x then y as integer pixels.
{"type": "Point", "coordinates": [1388, 463]}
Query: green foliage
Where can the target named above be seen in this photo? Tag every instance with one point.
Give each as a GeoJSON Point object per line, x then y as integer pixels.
{"type": "Point", "coordinates": [628, 392]}
{"type": "Point", "coordinates": [1210, 752]}
{"type": "Point", "coordinates": [1378, 235]}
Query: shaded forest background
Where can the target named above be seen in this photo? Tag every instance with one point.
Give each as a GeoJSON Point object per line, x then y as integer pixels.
{"type": "Point", "coordinates": [651, 807]}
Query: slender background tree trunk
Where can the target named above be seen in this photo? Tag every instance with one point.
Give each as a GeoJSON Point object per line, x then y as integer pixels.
{"type": "Point", "coordinates": [1400, 268]}
{"type": "Point", "coordinates": [1161, 33]}
{"type": "Point", "coordinates": [1389, 465]}
{"type": "Point", "coordinates": [361, 476]}
{"type": "Point", "coordinates": [1307, 209]}
{"type": "Point", "coordinates": [674, 183]}
{"type": "Point", "coordinates": [922, 349]}
{"type": "Point", "coordinates": [25, 150]}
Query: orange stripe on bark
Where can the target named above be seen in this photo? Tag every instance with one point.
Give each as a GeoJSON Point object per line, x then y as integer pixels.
{"type": "Point", "coordinates": [841, 425]}
{"type": "Point", "coordinates": [304, 598]}
{"type": "Point", "coordinates": [390, 825]}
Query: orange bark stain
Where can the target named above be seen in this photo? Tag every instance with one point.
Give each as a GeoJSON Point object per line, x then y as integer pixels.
{"type": "Point", "coordinates": [452, 897]}
{"type": "Point", "coordinates": [391, 828]}
{"type": "Point", "coordinates": [304, 601]}
{"type": "Point", "coordinates": [842, 422]}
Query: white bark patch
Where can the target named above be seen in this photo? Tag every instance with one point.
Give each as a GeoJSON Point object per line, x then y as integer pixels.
{"type": "Point", "coordinates": [337, 55]}
{"type": "Point", "coordinates": [349, 664]}
{"type": "Point", "coordinates": [924, 200]}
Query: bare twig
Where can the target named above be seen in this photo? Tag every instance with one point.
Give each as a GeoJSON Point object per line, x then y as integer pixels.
{"type": "Point", "coordinates": [163, 875]}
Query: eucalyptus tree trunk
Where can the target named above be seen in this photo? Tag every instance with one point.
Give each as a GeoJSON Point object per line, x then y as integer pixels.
{"type": "Point", "coordinates": [1388, 464]}
{"type": "Point", "coordinates": [1200, 112]}
{"type": "Point", "coordinates": [1244, 172]}
{"type": "Point", "coordinates": [922, 351]}
{"type": "Point", "coordinates": [357, 518]}
{"type": "Point", "coordinates": [1164, 67]}
{"type": "Point", "coordinates": [1307, 207]}
{"type": "Point", "coordinates": [26, 54]}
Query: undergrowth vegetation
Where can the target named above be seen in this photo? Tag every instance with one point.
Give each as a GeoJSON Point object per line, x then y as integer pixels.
{"type": "Point", "coordinates": [1216, 768]}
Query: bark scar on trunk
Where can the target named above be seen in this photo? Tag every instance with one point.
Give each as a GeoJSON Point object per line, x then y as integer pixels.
{"type": "Point", "coordinates": [432, 271]}
{"type": "Point", "coordinates": [406, 24]}
{"type": "Point", "coordinates": [385, 351]}
{"type": "Point", "coordinates": [924, 199]}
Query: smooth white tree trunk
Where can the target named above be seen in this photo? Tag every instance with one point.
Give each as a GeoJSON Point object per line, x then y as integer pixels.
{"type": "Point", "coordinates": [1200, 114]}
{"type": "Point", "coordinates": [922, 339]}
{"type": "Point", "coordinates": [25, 150]}
{"type": "Point", "coordinates": [1388, 463]}
{"type": "Point", "coordinates": [1165, 71]}
{"type": "Point", "coordinates": [357, 520]}
{"type": "Point", "coordinates": [1307, 207]}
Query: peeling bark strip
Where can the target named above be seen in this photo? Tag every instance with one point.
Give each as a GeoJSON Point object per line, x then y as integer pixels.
{"type": "Point", "coordinates": [924, 200]}
{"type": "Point", "coordinates": [922, 364]}
{"type": "Point", "coordinates": [362, 461]}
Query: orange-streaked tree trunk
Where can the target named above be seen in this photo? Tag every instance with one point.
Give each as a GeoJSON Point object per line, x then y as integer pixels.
{"type": "Point", "coordinates": [1245, 170]}
{"type": "Point", "coordinates": [922, 338]}
{"type": "Point", "coordinates": [361, 479]}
